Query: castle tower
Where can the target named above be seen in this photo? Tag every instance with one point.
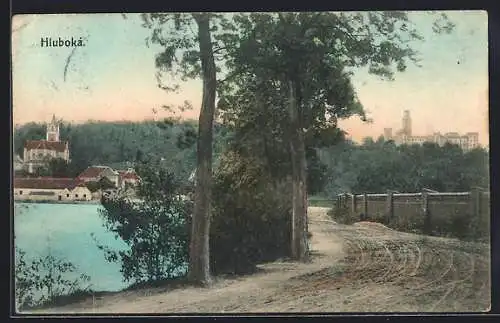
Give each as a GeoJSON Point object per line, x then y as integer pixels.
{"type": "Point", "coordinates": [407, 123]}
{"type": "Point", "coordinates": [53, 130]}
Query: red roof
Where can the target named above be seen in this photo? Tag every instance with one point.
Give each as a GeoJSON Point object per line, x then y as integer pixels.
{"type": "Point", "coordinates": [59, 146]}
{"type": "Point", "coordinates": [47, 183]}
{"type": "Point", "coordinates": [128, 175]}
{"type": "Point", "coordinates": [93, 172]}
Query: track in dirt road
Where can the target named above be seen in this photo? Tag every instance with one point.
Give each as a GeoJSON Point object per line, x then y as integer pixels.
{"type": "Point", "coordinates": [391, 271]}
{"type": "Point", "coordinates": [364, 267]}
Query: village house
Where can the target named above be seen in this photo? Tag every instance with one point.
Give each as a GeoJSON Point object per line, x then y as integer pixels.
{"type": "Point", "coordinates": [128, 177]}
{"type": "Point", "coordinates": [50, 189]}
{"type": "Point", "coordinates": [96, 173]}
{"type": "Point", "coordinates": [38, 152]}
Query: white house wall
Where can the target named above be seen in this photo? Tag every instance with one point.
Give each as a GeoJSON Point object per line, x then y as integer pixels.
{"type": "Point", "coordinates": [77, 194]}
{"type": "Point", "coordinates": [33, 194]}
{"type": "Point", "coordinates": [81, 193]}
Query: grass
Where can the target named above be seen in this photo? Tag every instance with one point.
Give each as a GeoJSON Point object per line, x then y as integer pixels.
{"type": "Point", "coordinates": [61, 300]}
{"type": "Point", "coordinates": [81, 295]}
{"type": "Point", "coordinates": [163, 283]}
{"type": "Point", "coordinates": [319, 201]}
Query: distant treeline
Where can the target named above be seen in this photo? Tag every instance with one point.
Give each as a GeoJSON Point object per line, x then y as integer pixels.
{"type": "Point", "coordinates": [372, 167]}
{"type": "Point", "coordinates": [377, 166]}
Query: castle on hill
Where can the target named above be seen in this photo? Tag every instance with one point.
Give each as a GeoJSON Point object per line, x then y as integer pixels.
{"type": "Point", "coordinates": [467, 141]}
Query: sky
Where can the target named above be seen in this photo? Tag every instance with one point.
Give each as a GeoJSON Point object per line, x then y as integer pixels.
{"type": "Point", "coordinates": [113, 78]}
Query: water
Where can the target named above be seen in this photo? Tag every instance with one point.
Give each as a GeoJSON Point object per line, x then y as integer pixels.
{"type": "Point", "coordinates": [64, 230]}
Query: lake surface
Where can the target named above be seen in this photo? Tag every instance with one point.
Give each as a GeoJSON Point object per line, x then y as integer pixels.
{"type": "Point", "coordinates": [64, 230]}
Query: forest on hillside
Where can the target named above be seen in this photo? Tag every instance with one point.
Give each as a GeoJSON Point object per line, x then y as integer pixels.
{"type": "Point", "coordinates": [372, 166]}
{"type": "Point", "coordinates": [378, 166]}
{"type": "Point", "coordinates": [121, 144]}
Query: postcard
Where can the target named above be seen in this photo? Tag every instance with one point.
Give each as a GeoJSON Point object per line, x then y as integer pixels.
{"type": "Point", "coordinates": [265, 162]}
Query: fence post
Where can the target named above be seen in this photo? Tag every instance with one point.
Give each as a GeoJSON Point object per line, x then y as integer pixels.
{"type": "Point", "coordinates": [389, 206]}
{"type": "Point", "coordinates": [476, 204]}
{"type": "Point", "coordinates": [338, 206]}
{"type": "Point", "coordinates": [365, 206]}
{"type": "Point", "coordinates": [426, 213]}
{"type": "Point", "coordinates": [475, 199]}
{"type": "Point", "coordinates": [353, 206]}
{"type": "Point", "coordinates": [479, 195]}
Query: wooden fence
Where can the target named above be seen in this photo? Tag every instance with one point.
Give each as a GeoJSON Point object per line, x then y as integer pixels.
{"type": "Point", "coordinates": [459, 214]}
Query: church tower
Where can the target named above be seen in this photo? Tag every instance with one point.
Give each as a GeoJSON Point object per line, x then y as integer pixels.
{"type": "Point", "coordinates": [53, 130]}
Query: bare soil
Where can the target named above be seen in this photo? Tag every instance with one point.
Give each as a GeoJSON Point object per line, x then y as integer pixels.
{"type": "Point", "coordinates": [365, 267]}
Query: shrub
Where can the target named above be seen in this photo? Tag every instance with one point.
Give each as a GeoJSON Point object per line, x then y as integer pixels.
{"type": "Point", "coordinates": [340, 213]}
{"type": "Point", "coordinates": [480, 227]}
{"type": "Point", "coordinates": [93, 186]}
{"type": "Point", "coordinates": [154, 228]}
{"type": "Point", "coordinates": [251, 218]}
{"type": "Point", "coordinates": [42, 280]}
{"type": "Point", "coordinates": [105, 183]}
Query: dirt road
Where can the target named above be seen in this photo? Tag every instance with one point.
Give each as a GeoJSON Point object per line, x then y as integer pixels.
{"type": "Point", "coordinates": [364, 267]}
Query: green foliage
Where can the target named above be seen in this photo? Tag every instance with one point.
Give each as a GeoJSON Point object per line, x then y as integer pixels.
{"type": "Point", "coordinates": [252, 212]}
{"type": "Point", "coordinates": [93, 186]}
{"type": "Point", "coordinates": [42, 280]}
{"type": "Point", "coordinates": [340, 213]}
{"type": "Point", "coordinates": [375, 167]}
{"type": "Point", "coordinates": [103, 184]}
{"type": "Point", "coordinates": [29, 131]}
{"type": "Point", "coordinates": [119, 144]}
{"type": "Point", "coordinates": [154, 228]}
{"type": "Point", "coordinates": [179, 53]}
{"type": "Point", "coordinates": [316, 53]}
{"type": "Point", "coordinates": [316, 173]}
{"type": "Point", "coordinates": [320, 201]}
{"type": "Point", "coordinates": [312, 52]}
{"type": "Point", "coordinates": [255, 116]}
{"type": "Point", "coordinates": [57, 167]}
{"type": "Point", "coordinates": [106, 184]}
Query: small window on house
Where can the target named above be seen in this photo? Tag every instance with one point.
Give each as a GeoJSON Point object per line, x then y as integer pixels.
{"type": "Point", "coordinates": [84, 195]}
{"type": "Point", "coordinates": [67, 195]}
{"type": "Point", "coordinates": [20, 192]}
{"type": "Point", "coordinates": [76, 195]}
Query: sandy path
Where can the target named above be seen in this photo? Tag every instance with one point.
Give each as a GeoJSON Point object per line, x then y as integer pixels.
{"type": "Point", "coordinates": [363, 267]}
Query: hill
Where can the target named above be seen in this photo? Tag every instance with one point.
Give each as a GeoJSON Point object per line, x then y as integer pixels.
{"type": "Point", "coordinates": [121, 144]}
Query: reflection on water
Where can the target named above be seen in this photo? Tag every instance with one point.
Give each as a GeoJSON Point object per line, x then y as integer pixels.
{"type": "Point", "coordinates": [64, 230]}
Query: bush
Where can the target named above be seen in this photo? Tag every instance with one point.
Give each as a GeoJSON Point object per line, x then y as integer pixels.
{"type": "Point", "coordinates": [42, 280]}
{"type": "Point", "coordinates": [154, 229]}
{"type": "Point", "coordinates": [106, 184]}
{"type": "Point", "coordinates": [93, 186]}
{"type": "Point", "coordinates": [251, 219]}
{"type": "Point", "coordinates": [340, 214]}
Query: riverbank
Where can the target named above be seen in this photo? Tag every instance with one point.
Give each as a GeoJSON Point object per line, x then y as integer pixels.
{"type": "Point", "coordinates": [95, 202]}
{"type": "Point", "coordinates": [71, 233]}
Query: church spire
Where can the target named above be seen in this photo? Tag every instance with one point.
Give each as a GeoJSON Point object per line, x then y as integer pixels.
{"type": "Point", "coordinates": [53, 130]}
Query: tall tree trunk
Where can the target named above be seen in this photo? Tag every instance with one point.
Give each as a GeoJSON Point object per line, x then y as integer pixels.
{"type": "Point", "coordinates": [199, 254]}
{"type": "Point", "coordinates": [299, 190]}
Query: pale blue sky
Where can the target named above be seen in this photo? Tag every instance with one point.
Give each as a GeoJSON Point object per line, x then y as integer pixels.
{"type": "Point", "coordinates": [113, 76]}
